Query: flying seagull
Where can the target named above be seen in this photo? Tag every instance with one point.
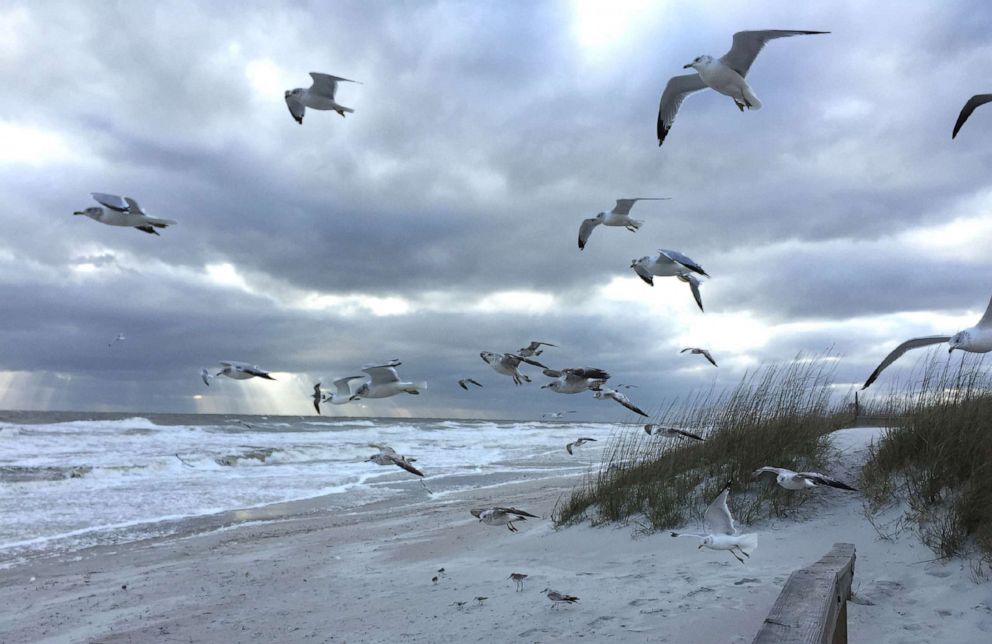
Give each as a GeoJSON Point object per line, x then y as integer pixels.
{"type": "Point", "coordinates": [534, 349]}
{"type": "Point", "coordinates": [317, 397]}
{"type": "Point", "coordinates": [654, 429]}
{"type": "Point", "coordinates": [559, 598]}
{"type": "Point", "coordinates": [206, 376]}
{"type": "Point", "coordinates": [319, 96]}
{"type": "Point", "coordinates": [701, 352]}
{"type": "Point", "coordinates": [605, 393]}
{"type": "Point", "coordinates": [388, 456]}
{"type": "Point", "coordinates": [619, 216]}
{"type": "Point", "coordinates": [670, 263]}
{"type": "Point", "coordinates": [342, 393]}
{"type": "Point", "coordinates": [557, 414]}
{"type": "Point", "coordinates": [507, 364]}
{"type": "Point", "coordinates": [518, 579]}
{"type": "Point", "coordinates": [725, 75]}
{"type": "Point", "coordinates": [465, 382]}
{"type": "Point", "coordinates": [120, 338]}
{"type": "Point", "coordinates": [238, 371]}
{"type": "Point", "coordinates": [976, 339]}
{"type": "Point", "coordinates": [385, 382]}
{"type": "Point", "coordinates": [578, 443]}
{"type": "Point", "coordinates": [969, 107]}
{"type": "Point", "coordinates": [123, 211]}
{"type": "Point", "coordinates": [801, 480]}
{"type": "Point", "coordinates": [576, 380]}
{"type": "Point", "coordinates": [720, 531]}
{"type": "Point", "coordinates": [501, 516]}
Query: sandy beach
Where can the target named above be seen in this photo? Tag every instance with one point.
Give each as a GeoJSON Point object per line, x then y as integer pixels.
{"type": "Point", "coordinates": [365, 576]}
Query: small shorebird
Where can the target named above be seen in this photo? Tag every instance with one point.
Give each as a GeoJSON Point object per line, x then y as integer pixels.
{"type": "Point", "coordinates": [534, 349]}
{"type": "Point", "coordinates": [434, 580]}
{"type": "Point", "coordinates": [465, 382]}
{"type": "Point", "coordinates": [575, 380]}
{"type": "Point", "coordinates": [801, 480]}
{"type": "Point", "coordinates": [720, 531]}
{"type": "Point", "coordinates": [605, 393]}
{"type": "Point", "coordinates": [481, 599]}
{"type": "Point", "coordinates": [700, 352]}
{"type": "Point", "coordinates": [319, 96]}
{"type": "Point", "coordinates": [388, 456]}
{"type": "Point", "coordinates": [578, 443]}
{"type": "Point", "coordinates": [501, 516]}
{"type": "Point", "coordinates": [507, 363]}
{"type": "Point", "coordinates": [518, 579]}
{"type": "Point", "coordinates": [653, 429]}
{"type": "Point", "coordinates": [619, 216]}
{"type": "Point", "coordinates": [558, 598]}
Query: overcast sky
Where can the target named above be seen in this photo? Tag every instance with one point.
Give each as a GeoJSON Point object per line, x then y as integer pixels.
{"type": "Point", "coordinates": [440, 219]}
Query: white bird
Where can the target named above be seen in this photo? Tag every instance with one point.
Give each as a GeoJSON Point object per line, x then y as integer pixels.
{"type": "Point", "coordinates": [576, 380]}
{"type": "Point", "coordinates": [534, 349]}
{"type": "Point", "coordinates": [557, 414]}
{"type": "Point", "coordinates": [120, 338]}
{"type": "Point", "coordinates": [578, 443]}
{"type": "Point", "coordinates": [508, 364]}
{"type": "Point", "coordinates": [619, 216]}
{"type": "Point", "coordinates": [206, 377]}
{"type": "Point", "coordinates": [501, 516]}
{"type": "Point", "coordinates": [465, 382]}
{"type": "Point", "coordinates": [969, 107]}
{"type": "Point", "coordinates": [670, 263]}
{"type": "Point", "coordinates": [725, 75]}
{"type": "Point", "coordinates": [976, 339]}
{"type": "Point", "coordinates": [385, 382]}
{"type": "Point", "coordinates": [319, 96]}
{"type": "Point", "coordinates": [559, 598]}
{"type": "Point", "coordinates": [801, 480]}
{"type": "Point", "coordinates": [388, 456]}
{"type": "Point", "coordinates": [700, 352]}
{"type": "Point", "coordinates": [720, 531]}
{"type": "Point", "coordinates": [238, 371]}
{"type": "Point", "coordinates": [343, 392]}
{"type": "Point", "coordinates": [605, 393]}
{"type": "Point", "coordinates": [123, 211]}
{"type": "Point", "coordinates": [654, 429]}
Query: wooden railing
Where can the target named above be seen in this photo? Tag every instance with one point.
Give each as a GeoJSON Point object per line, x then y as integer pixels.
{"type": "Point", "coordinates": [812, 607]}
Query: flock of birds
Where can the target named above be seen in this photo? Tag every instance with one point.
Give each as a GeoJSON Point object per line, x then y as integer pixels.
{"type": "Point", "coordinates": [725, 75]}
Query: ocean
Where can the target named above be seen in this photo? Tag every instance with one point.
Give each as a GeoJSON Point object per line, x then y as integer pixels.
{"type": "Point", "coordinates": [70, 481]}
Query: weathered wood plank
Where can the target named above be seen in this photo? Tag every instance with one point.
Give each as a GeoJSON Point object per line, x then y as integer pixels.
{"type": "Point", "coordinates": [812, 607]}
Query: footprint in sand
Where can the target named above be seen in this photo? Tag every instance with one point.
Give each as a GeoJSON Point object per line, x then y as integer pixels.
{"type": "Point", "coordinates": [747, 580]}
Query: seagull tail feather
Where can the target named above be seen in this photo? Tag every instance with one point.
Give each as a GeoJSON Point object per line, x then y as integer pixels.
{"type": "Point", "coordinates": [753, 102]}
{"type": "Point", "coordinates": [748, 542]}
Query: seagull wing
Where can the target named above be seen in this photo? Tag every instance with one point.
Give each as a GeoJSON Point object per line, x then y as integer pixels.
{"type": "Point", "coordinates": [624, 205]}
{"type": "Point", "coordinates": [693, 282]}
{"type": "Point", "coordinates": [684, 260]}
{"type": "Point", "coordinates": [707, 355]}
{"type": "Point", "coordinates": [552, 373]}
{"type": "Point", "coordinates": [474, 382]}
{"type": "Point", "coordinates": [206, 377]}
{"type": "Point", "coordinates": [676, 90]}
{"type": "Point", "coordinates": [134, 208]}
{"type": "Point", "coordinates": [296, 108]}
{"type": "Point", "coordinates": [623, 400]}
{"type": "Point", "coordinates": [969, 107]}
{"type": "Point", "coordinates": [586, 229]}
{"type": "Point", "coordinates": [986, 320]}
{"type": "Point", "coordinates": [384, 449]}
{"type": "Point", "coordinates": [568, 448]}
{"type": "Point", "coordinates": [326, 84]}
{"type": "Point", "coordinates": [820, 479]}
{"type": "Point", "coordinates": [402, 462]}
{"type": "Point", "coordinates": [643, 274]}
{"type": "Point", "coordinates": [342, 386]}
{"type": "Point", "coordinates": [517, 512]}
{"type": "Point", "coordinates": [717, 518]}
{"type": "Point", "coordinates": [747, 45]}
{"type": "Point", "coordinates": [915, 343]}
{"type": "Point", "coordinates": [682, 432]}
{"type": "Point", "coordinates": [255, 371]}
{"type": "Point", "coordinates": [382, 374]}
{"type": "Point", "coordinates": [111, 201]}
{"type": "Point", "coordinates": [529, 361]}
{"type": "Point", "coordinates": [770, 470]}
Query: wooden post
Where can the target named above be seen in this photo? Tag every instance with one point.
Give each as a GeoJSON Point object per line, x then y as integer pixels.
{"type": "Point", "coordinates": [812, 607]}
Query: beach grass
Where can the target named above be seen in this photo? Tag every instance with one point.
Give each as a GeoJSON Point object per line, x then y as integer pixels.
{"type": "Point", "coordinates": [777, 415]}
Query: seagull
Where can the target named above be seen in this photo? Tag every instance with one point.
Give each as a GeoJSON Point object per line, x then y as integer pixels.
{"type": "Point", "coordinates": [385, 382]}
{"type": "Point", "coordinates": [573, 381]}
{"type": "Point", "coordinates": [319, 96]}
{"type": "Point", "coordinates": [534, 349]}
{"type": "Point", "coordinates": [316, 397]}
{"type": "Point", "coordinates": [801, 480]}
{"type": "Point", "coordinates": [701, 352]}
{"type": "Point", "coordinates": [578, 443]}
{"type": "Point", "coordinates": [518, 579]}
{"type": "Point", "coordinates": [670, 263]}
{"type": "Point", "coordinates": [120, 338]}
{"type": "Point", "coordinates": [501, 516]}
{"type": "Point", "coordinates": [558, 598]}
{"type": "Point", "coordinates": [557, 414]}
{"type": "Point", "coordinates": [976, 339]}
{"type": "Point", "coordinates": [465, 382]}
{"type": "Point", "coordinates": [969, 107]}
{"type": "Point", "coordinates": [342, 393]}
{"type": "Point", "coordinates": [238, 371]}
{"type": "Point", "coordinates": [725, 75]}
{"type": "Point", "coordinates": [653, 429]}
{"type": "Point", "coordinates": [388, 456]}
{"type": "Point", "coordinates": [720, 531]}
{"type": "Point", "coordinates": [619, 216]}
{"type": "Point", "coordinates": [606, 393]}
{"type": "Point", "coordinates": [507, 363]}
{"type": "Point", "coordinates": [206, 376]}
{"type": "Point", "coordinates": [123, 211]}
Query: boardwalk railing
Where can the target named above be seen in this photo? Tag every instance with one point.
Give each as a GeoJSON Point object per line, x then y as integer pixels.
{"type": "Point", "coordinates": [812, 607]}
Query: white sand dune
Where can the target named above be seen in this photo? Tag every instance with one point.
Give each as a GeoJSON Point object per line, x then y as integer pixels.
{"type": "Point", "coordinates": [366, 577]}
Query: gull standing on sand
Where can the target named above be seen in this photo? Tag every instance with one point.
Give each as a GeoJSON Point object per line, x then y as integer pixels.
{"type": "Point", "coordinates": [501, 516]}
{"type": "Point", "coordinates": [654, 429]}
{"type": "Point", "coordinates": [123, 211]}
{"type": "Point", "coordinates": [573, 381]}
{"type": "Point", "coordinates": [534, 349]}
{"type": "Point", "coordinates": [700, 352]}
{"type": "Point", "coordinates": [237, 371]}
{"type": "Point", "coordinates": [619, 216]}
{"type": "Point", "coordinates": [319, 96]}
{"type": "Point", "coordinates": [969, 107]}
{"type": "Point", "coordinates": [725, 75]}
{"type": "Point", "coordinates": [342, 393]}
{"type": "Point", "coordinates": [385, 382]}
{"type": "Point", "coordinates": [976, 339]}
{"type": "Point", "coordinates": [605, 393]}
{"type": "Point", "coordinates": [801, 480]}
{"type": "Point", "coordinates": [518, 579]}
{"type": "Point", "coordinates": [559, 598]}
{"type": "Point", "coordinates": [720, 531]}
{"type": "Point", "coordinates": [388, 456]}
{"type": "Point", "coordinates": [465, 382]}
{"type": "Point", "coordinates": [507, 363]}
{"type": "Point", "coordinates": [670, 263]}
{"type": "Point", "coordinates": [578, 443]}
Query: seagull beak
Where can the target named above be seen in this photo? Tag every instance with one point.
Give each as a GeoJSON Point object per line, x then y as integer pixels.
{"type": "Point", "coordinates": [951, 350]}
{"type": "Point", "coordinates": [687, 66]}
{"type": "Point", "coordinates": [79, 212]}
{"type": "Point", "coordinates": [700, 547]}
